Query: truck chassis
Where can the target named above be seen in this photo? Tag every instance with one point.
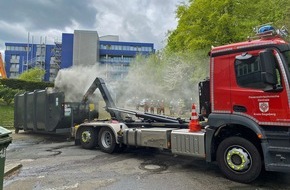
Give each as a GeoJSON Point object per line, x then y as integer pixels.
{"type": "Point", "coordinates": [238, 158]}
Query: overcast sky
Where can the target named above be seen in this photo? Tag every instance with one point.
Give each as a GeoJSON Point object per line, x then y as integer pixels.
{"type": "Point", "coordinates": [132, 20]}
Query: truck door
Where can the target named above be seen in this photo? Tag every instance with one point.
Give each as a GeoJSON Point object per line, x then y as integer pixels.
{"type": "Point", "coordinates": [257, 94]}
{"type": "Point", "coordinates": [220, 84]}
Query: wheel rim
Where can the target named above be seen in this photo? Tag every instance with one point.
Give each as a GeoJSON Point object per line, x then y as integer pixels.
{"type": "Point", "coordinates": [238, 159]}
{"type": "Point", "coordinates": [86, 136]}
{"type": "Point", "coordinates": [106, 139]}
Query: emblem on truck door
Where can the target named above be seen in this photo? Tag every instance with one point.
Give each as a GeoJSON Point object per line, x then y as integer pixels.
{"type": "Point", "coordinates": [264, 106]}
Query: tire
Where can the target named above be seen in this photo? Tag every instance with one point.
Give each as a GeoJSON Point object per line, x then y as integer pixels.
{"type": "Point", "coordinates": [239, 159]}
{"type": "Point", "coordinates": [16, 130]}
{"type": "Point", "coordinates": [107, 140]}
{"type": "Point", "coordinates": [88, 137]}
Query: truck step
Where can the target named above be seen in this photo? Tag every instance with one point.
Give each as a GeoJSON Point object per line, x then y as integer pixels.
{"type": "Point", "coordinates": [278, 167]}
{"type": "Point", "coordinates": [279, 149]}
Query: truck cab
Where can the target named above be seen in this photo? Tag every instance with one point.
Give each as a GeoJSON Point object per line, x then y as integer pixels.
{"type": "Point", "coordinates": [249, 103]}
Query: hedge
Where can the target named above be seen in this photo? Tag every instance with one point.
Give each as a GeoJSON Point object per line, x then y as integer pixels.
{"type": "Point", "coordinates": [25, 85]}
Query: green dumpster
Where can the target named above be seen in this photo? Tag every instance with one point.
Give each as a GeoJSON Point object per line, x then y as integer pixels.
{"type": "Point", "coordinates": [5, 140]}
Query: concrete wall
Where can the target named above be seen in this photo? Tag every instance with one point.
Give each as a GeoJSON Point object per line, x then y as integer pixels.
{"type": "Point", "coordinates": [85, 48]}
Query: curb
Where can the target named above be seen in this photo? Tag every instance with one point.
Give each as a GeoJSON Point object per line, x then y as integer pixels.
{"type": "Point", "coordinates": [10, 168]}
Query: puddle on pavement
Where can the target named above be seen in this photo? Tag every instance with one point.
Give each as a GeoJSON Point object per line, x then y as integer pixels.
{"type": "Point", "coordinates": [153, 166]}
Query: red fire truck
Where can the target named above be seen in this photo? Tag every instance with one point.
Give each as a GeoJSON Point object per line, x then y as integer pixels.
{"type": "Point", "coordinates": [247, 103]}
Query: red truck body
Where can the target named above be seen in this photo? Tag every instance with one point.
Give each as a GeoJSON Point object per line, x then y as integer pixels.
{"type": "Point", "coordinates": [265, 108]}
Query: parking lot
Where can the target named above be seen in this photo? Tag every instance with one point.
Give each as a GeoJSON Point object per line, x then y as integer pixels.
{"type": "Point", "coordinates": [51, 162]}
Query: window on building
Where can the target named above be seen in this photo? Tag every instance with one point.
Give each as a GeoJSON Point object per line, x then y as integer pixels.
{"type": "Point", "coordinates": [15, 58]}
{"type": "Point", "coordinates": [25, 48]}
{"type": "Point", "coordinates": [13, 74]}
{"type": "Point", "coordinates": [102, 46]}
{"type": "Point", "coordinates": [17, 48]}
{"type": "Point", "coordinates": [145, 48]}
{"type": "Point", "coordinates": [14, 66]}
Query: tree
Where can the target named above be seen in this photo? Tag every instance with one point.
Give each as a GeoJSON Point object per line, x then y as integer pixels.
{"type": "Point", "coordinates": [203, 23]}
{"type": "Point", "coordinates": [144, 75]}
{"type": "Point", "coordinates": [34, 74]}
{"type": "Point", "coordinates": [183, 71]}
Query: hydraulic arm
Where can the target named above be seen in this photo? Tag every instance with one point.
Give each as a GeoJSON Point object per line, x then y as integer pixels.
{"type": "Point", "coordinates": [100, 84]}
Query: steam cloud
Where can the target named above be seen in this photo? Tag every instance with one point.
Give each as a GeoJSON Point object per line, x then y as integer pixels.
{"type": "Point", "coordinates": [172, 78]}
{"type": "Point", "coordinates": [75, 81]}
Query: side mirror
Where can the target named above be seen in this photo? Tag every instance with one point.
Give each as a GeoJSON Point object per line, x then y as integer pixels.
{"type": "Point", "coordinates": [268, 67]}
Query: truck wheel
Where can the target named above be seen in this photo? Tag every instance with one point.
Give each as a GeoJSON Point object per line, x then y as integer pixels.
{"type": "Point", "coordinates": [239, 159]}
{"type": "Point", "coordinates": [107, 140]}
{"type": "Point", "coordinates": [88, 137]}
{"type": "Point", "coordinates": [16, 130]}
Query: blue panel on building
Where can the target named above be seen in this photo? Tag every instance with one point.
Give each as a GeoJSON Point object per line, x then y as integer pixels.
{"type": "Point", "coordinates": [67, 50]}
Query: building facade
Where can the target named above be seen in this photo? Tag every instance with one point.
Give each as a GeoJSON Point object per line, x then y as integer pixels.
{"type": "Point", "coordinates": [20, 57]}
{"type": "Point", "coordinates": [82, 48]}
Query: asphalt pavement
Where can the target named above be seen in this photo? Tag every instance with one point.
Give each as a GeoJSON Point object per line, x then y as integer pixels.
{"type": "Point", "coordinates": [51, 162]}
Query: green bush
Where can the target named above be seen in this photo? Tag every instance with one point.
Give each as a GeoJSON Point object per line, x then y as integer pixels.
{"type": "Point", "coordinates": [25, 85]}
{"type": "Point", "coordinates": [7, 94]}
{"type": "Point", "coordinates": [33, 74]}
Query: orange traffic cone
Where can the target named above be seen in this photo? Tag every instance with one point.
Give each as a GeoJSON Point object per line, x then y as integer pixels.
{"type": "Point", "coordinates": [194, 125]}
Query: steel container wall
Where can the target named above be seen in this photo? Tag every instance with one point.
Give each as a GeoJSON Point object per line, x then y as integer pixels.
{"type": "Point", "coordinates": [19, 111]}
{"type": "Point", "coordinates": [30, 110]}
{"type": "Point", "coordinates": [44, 111]}
{"type": "Point", "coordinates": [40, 110]}
{"type": "Point", "coordinates": [55, 114]}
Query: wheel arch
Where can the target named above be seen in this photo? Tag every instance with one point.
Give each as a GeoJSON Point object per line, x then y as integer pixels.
{"type": "Point", "coordinates": [222, 126]}
{"type": "Point", "coordinates": [115, 128]}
